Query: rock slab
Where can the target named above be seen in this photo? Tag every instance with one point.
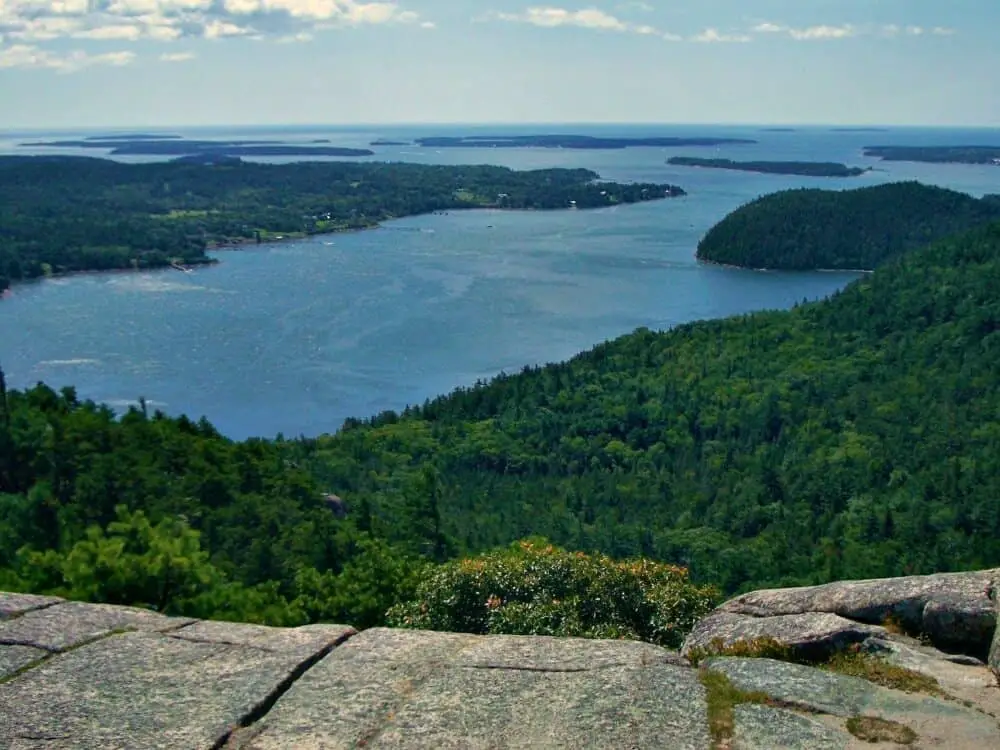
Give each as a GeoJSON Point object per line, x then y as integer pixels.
{"type": "Point", "coordinates": [66, 625]}
{"type": "Point", "coordinates": [154, 690]}
{"type": "Point", "coordinates": [936, 721]}
{"type": "Point", "coordinates": [409, 689]}
{"type": "Point", "coordinates": [953, 610]}
{"type": "Point", "coordinates": [810, 635]}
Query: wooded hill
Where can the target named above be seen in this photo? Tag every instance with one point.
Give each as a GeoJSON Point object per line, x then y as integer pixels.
{"type": "Point", "coordinates": [811, 229]}
{"type": "Point", "coordinates": [64, 213]}
{"type": "Point", "coordinates": [850, 438]}
{"type": "Point", "coordinates": [855, 437]}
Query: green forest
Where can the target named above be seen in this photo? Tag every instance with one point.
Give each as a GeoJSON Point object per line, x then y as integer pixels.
{"type": "Point", "coordinates": [60, 214]}
{"type": "Point", "coordinates": [937, 154]}
{"type": "Point", "coordinates": [808, 229]}
{"type": "Point", "coordinates": [804, 168]}
{"type": "Point", "coordinates": [853, 437]}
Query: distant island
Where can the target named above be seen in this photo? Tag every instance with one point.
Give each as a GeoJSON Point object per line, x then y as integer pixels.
{"type": "Point", "coordinates": [846, 230]}
{"type": "Point", "coordinates": [777, 130]}
{"type": "Point", "coordinates": [569, 141]}
{"type": "Point", "coordinates": [937, 154]}
{"type": "Point", "coordinates": [133, 137]}
{"type": "Point", "coordinates": [175, 146]}
{"type": "Point", "coordinates": [804, 168]}
{"type": "Point", "coordinates": [74, 213]}
{"type": "Point", "coordinates": [860, 130]}
{"type": "Point", "coordinates": [387, 142]}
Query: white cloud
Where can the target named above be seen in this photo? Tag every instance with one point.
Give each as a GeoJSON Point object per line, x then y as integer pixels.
{"type": "Point", "coordinates": [130, 32]}
{"type": "Point", "coordinates": [31, 21]}
{"type": "Point", "coordinates": [31, 56]}
{"type": "Point", "coordinates": [942, 31]}
{"type": "Point", "coordinates": [714, 36]}
{"type": "Point", "coordinates": [216, 29]}
{"type": "Point", "coordinates": [824, 32]}
{"type": "Point", "coordinates": [769, 28]}
{"type": "Point", "coordinates": [844, 31]}
{"type": "Point", "coordinates": [175, 57]}
{"type": "Point", "coordinates": [552, 17]}
{"type": "Point", "coordinates": [587, 18]}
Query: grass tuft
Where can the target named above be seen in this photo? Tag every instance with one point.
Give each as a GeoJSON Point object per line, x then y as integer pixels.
{"type": "Point", "coordinates": [722, 697]}
{"type": "Point", "coordinates": [872, 729]}
{"type": "Point", "coordinates": [764, 647]}
{"type": "Point", "coordinates": [880, 672]}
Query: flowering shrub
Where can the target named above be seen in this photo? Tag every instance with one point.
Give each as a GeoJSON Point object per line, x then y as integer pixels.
{"type": "Point", "coordinates": [534, 588]}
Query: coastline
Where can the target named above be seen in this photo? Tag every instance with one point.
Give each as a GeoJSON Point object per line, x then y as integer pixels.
{"type": "Point", "coordinates": [734, 267]}
{"type": "Point", "coordinates": [241, 243]}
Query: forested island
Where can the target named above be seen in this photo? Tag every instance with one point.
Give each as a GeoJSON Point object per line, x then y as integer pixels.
{"type": "Point", "coordinates": [850, 438]}
{"type": "Point", "coordinates": [141, 145]}
{"type": "Point", "coordinates": [568, 141]}
{"type": "Point", "coordinates": [809, 229]}
{"type": "Point", "coordinates": [804, 168]}
{"type": "Point", "coordinates": [937, 154]}
{"type": "Point", "coordinates": [62, 213]}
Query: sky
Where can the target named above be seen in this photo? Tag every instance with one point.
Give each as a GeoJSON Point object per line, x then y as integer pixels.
{"type": "Point", "coordinates": [118, 63]}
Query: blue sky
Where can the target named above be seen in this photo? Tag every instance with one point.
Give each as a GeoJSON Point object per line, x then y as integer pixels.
{"type": "Point", "coordinates": [66, 63]}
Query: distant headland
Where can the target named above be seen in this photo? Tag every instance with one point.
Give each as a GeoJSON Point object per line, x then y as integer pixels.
{"type": "Point", "coordinates": [804, 168]}
{"type": "Point", "coordinates": [569, 141]}
{"type": "Point", "coordinates": [937, 154]}
{"type": "Point", "coordinates": [76, 213]}
{"type": "Point", "coordinates": [172, 145]}
{"type": "Point", "coordinates": [809, 229]}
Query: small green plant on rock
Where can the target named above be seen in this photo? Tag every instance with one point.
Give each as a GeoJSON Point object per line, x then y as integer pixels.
{"type": "Point", "coordinates": [856, 663]}
{"type": "Point", "coordinates": [721, 698]}
{"type": "Point", "coordinates": [873, 729]}
{"type": "Point", "coordinates": [764, 647]}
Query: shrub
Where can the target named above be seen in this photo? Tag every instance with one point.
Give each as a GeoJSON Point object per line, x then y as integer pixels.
{"type": "Point", "coordinates": [763, 647]}
{"type": "Point", "coordinates": [534, 588]}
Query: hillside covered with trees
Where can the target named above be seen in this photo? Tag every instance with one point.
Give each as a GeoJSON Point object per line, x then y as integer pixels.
{"type": "Point", "coordinates": [810, 229]}
{"type": "Point", "coordinates": [804, 168]}
{"type": "Point", "coordinates": [65, 213]}
{"type": "Point", "coordinates": [853, 437]}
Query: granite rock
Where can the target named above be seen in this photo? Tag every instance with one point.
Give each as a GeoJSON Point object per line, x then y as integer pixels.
{"type": "Point", "coordinates": [951, 609]}
{"type": "Point", "coordinates": [410, 689]}
{"type": "Point", "coordinates": [66, 625]}
{"type": "Point", "coordinates": [810, 635]}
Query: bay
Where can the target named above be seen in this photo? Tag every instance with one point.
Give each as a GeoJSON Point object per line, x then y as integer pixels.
{"type": "Point", "coordinates": [295, 337]}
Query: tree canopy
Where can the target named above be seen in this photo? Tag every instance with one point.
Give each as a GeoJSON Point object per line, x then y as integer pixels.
{"type": "Point", "coordinates": [852, 229]}
{"type": "Point", "coordinates": [854, 437]}
{"type": "Point", "coordinates": [67, 213]}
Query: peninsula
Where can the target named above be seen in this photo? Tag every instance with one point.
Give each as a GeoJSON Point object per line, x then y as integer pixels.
{"type": "Point", "coordinates": [804, 168]}
{"type": "Point", "coordinates": [570, 141]}
{"type": "Point", "coordinates": [69, 213]}
{"type": "Point", "coordinates": [846, 230]}
{"type": "Point", "coordinates": [176, 146]}
{"type": "Point", "coordinates": [937, 154]}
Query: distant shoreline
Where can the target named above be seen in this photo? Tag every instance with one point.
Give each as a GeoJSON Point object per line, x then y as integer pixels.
{"type": "Point", "coordinates": [735, 267]}
{"type": "Point", "coordinates": [797, 168]}
{"type": "Point", "coordinates": [238, 244]}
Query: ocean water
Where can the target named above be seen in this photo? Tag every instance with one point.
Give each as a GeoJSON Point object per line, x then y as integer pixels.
{"type": "Point", "coordinates": [297, 336]}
